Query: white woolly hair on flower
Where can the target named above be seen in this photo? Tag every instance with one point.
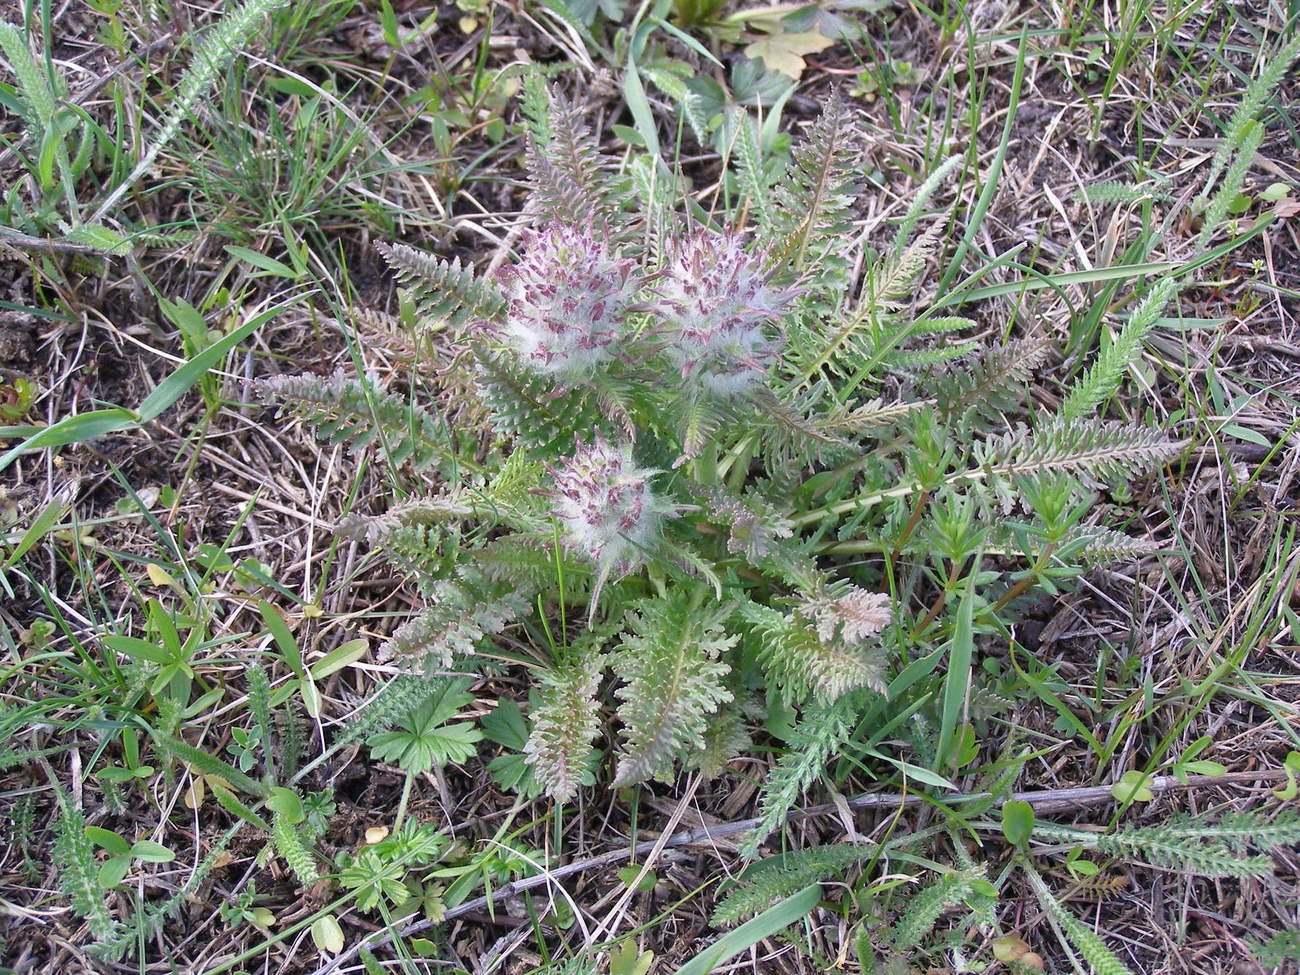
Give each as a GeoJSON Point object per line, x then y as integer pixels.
{"type": "Point", "coordinates": [567, 300]}
{"type": "Point", "coordinates": [606, 508]}
{"type": "Point", "coordinates": [720, 310]}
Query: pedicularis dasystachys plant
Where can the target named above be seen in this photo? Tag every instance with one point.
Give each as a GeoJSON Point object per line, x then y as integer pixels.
{"type": "Point", "coordinates": [719, 463]}
{"type": "Point", "coordinates": [606, 508]}
{"type": "Point", "coordinates": [568, 302]}
{"type": "Point", "coordinates": [720, 312]}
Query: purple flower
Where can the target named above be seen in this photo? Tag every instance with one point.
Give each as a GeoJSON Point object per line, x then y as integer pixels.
{"type": "Point", "coordinates": [720, 308]}
{"type": "Point", "coordinates": [606, 508]}
{"type": "Point", "coordinates": [567, 300]}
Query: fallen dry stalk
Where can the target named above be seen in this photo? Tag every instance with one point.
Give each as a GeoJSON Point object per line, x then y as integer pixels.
{"type": "Point", "coordinates": [1044, 800]}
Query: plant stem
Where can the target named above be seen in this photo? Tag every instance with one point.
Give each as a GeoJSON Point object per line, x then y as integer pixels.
{"type": "Point", "coordinates": [917, 510]}
{"type": "Point", "coordinates": [1047, 800]}
{"type": "Point", "coordinates": [1025, 582]}
{"type": "Point", "coordinates": [953, 575]}
{"type": "Point", "coordinates": [706, 465]}
{"type": "Point", "coordinates": [401, 804]}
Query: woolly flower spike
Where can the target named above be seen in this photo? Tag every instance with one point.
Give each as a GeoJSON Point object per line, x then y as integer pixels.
{"type": "Point", "coordinates": [717, 300]}
{"type": "Point", "coordinates": [854, 617]}
{"type": "Point", "coordinates": [606, 508]}
{"type": "Point", "coordinates": [567, 299]}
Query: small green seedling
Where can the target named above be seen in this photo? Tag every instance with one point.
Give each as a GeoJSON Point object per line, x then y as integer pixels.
{"type": "Point", "coordinates": [122, 854]}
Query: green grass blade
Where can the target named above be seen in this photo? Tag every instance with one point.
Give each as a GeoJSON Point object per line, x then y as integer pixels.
{"type": "Point", "coordinates": [1057, 281]}
{"type": "Point", "coordinates": [71, 429]}
{"type": "Point", "coordinates": [957, 683]}
{"type": "Point", "coordinates": [639, 106]}
{"type": "Point", "coordinates": [178, 383]}
{"type": "Point", "coordinates": [990, 187]}
{"type": "Point", "coordinates": [87, 426]}
{"type": "Point", "coordinates": [750, 933]}
{"type": "Point", "coordinates": [211, 57]}
{"type": "Point", "coordinates": [38, 529]}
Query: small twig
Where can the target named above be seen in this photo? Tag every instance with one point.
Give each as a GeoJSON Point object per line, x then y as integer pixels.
{"type": "Point", "coordinates": [1045, 800]}
{"type": "Point", "coordinates": [27, 242]}
{"type": "Point", "coordinates": [84, 93]}
{"type": "Point", "coordinates": [657, 846]}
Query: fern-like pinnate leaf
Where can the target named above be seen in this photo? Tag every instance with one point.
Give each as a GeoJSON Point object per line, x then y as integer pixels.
{"type": "Point", "coordinates": [1280, 948]}
{"type": "Point", "coordinates": [1252, 102]}
{"type": "Point", "coordinates": [1104, 376]}
{"type": "Point", "coordinates": [814, 201]}
{"type": "Point", "coordinates": [754, 527]}
{"type": "Point", "coordinates": [462, 612]}
{"type": "Point", "coordinates": [443, 290]}
{"type": "Point", "coordinates": [988, 384]}
{"type": "Point", "coordinates": [1245, 828]}
{"type": "Point", "coordinates": [925, 907]}
{"type": "Point", "coordinates": [1192, 845]}
{"type": "Point", "coordinates": [767, 881]}
{"type": "Point", "coordinates": [74, 855]}
{"type": "Point", "coordinates": [803, 661]}
{"type": "Point", "coordinates": [699, 419]}
{"type": "Point", "coordinates": [725, 738]}
{"type": "Point", "coordinates": [566, 721]}
{"type": "Point", "coordinates": [415, 513]}
{"type": "Point", "coordinates": [259, 708]}
{"type": "Point", "coordinates": [568, 176]}
{"type": "Point", "coordinates": [921, 200]}
{"type": "Point", "coordinates": [358, 413]}
{"type": "Point", "coordinates": [1100, 959]}
{"type": "Point", "coordinates": [528, 565]}
{"type": "Point", "coordinates": [669, 660]}
{"type": "Point", "coordinates": [527, 408]}
{"type": "Point", "coordinates": [1216, 211]}
{"type": "Point", "coordinates": [289, 845]}
{"type": "Point", "coordinates": [398, 698]}
{"type": "Point", "coordinates": [1085, 545]}
{"type": "Point", "coordinates": [811, 429]}
{"type": "Point", "coordinates": [867, 339]}
{"type": "Point", "coordinates": [891, 283]}
{"type": "Point", "coordinates": [1090, 447]}
{"type": "Point", "coordinates": [39, 99]}
{"type": "Point", "coordinates": [750, 173]}
{"type": "Point", "coordinates": [1122, 194]}
{"type": "Point", "coordinates": [819, 733]}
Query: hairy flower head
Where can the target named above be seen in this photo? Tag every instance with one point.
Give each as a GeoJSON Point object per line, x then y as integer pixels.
{"type": "Point", "coordinates": [606, 508]}
{"type": "Point", "coordinates": [720, 310]}
{"type": "Point", "coordinates": [567, 300]}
